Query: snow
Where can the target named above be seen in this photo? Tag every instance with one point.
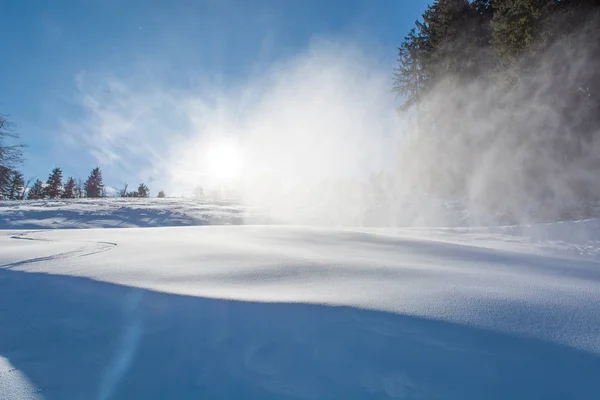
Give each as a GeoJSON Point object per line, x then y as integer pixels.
{"type": "Point", "coordinates": [121, 213]}
{"type": "Point", "coordinates": [291, 312]}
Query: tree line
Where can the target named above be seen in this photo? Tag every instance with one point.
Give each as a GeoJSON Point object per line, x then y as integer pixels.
{"type": "Point", "coordinates": [54, 188]}
{"type": "Point", "coordinates": [504, 97]}
{"type": "Point", "coordinates": [14, 187]}
{"type": "Point", "coordinates": [488, 39]}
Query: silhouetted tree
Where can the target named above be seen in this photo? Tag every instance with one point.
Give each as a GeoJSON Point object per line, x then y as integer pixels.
{"type": "Point", "coordinates": [409, 77]}
{"type": "Point", "coordinates": [10, 155]}
{"type": "Point", "coordinates": [94, 186]}
{"type": "Point", "coordinates": [53, 189]}
{"type": "Point", "coordinates": [36, 191]}
{"type": "Point", "coordinates": [161, 195]}
{"type": "Point", "coordinates": [69, 189]}
{"type": "Point", "coordinates": [123, 192]}
{"type": "Point", "coordinates": [17, 186]}
{"type": "Point", "coordinates": [143, 191]}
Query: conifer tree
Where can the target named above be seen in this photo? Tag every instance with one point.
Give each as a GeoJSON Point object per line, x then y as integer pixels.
{"type": "Point", "coordinates": [94, 187]}
{"type": "Point", "coordinates": [143, 191]}
{"type": "Point", "coordinates": [36, 191]}
{"type": "Point", "coordinates": [69, 189]}
{"type": "Point", "coordinates": [53, 189]}
{"type": "Point", "coordinates": [17, 186]}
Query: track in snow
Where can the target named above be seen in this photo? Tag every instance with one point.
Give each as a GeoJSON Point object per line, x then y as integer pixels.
{"type": "Point", "coordinates": [83, 249]}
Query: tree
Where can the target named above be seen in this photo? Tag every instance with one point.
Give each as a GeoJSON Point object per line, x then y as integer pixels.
{"type": "Point", "coordinates": [17, 186]}
{"type": "Point", "coordinates": [36, 191]}
{"type": "Point", "coordinates": [10, 155]}
{"type": "Point", "coordinates": [488, 79]}
{"type": "Point", "coordinates": [457, 35]}
{"type": "Point", "coordinates": [79, 192]}
{"type": "Point", "coordinates": [123, 192]}
{"type": "Point", "coordinates": [5, 174]}
{"type": "Point", "coordinates": [94, 186]}
{"type": "Point", "coordinates": [515, 26]}
{"type": "Point", "coordinates": [53, 189]}
{"type": "Point", "coordinates": [409, 77]}
{"type": "Point", "coordinates": [451, 41]}
{"type": "Point", "coordinates": [161, 195]}
{"type": "Point", "coordinates": [69, 189]}
{"type": "Point", "coordinates": [143, 191]}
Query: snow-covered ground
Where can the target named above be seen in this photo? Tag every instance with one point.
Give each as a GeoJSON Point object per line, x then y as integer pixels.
{"type": "Point", "coordinates": [121, 213]}
{"type": "Point", "coordinates": [283, 312]}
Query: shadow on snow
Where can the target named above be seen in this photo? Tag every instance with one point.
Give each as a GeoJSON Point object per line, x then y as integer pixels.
{"type": "Point", "coordinates": [76, 338]}
{"type": "Point", "coordinates": [115, 218]}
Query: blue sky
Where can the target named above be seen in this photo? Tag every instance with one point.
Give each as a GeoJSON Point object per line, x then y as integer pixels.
{"type": "Point", "coordinates": [61, 54]}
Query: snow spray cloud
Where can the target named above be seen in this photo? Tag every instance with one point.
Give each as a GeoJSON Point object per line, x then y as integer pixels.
{"type": "Point", "coordinates": [301, 136]}
{"type": "Point", "coordinates": [316, 138]}
{"type": "Point", "coordinates": [306, 131]}
{"type": "Point", "coordinates": [519, 146]}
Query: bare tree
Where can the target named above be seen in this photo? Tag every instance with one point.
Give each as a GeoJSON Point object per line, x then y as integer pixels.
{"type": "Point", "coordinates": [10, 155]}
{"type": "Point", "coordinates": [23, 194]}
{"type": "Point", "coordinates": [123, 192]}
{"type": "Point", "coordinates": [79, 189]}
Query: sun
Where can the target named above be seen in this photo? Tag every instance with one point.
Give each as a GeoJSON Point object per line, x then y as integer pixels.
{"type": "Point", "coordinates": [224, 160]}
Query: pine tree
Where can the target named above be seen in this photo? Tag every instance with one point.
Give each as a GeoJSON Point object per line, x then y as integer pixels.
{"type": "Point", "coordinates": [456, 31]}
{"type": "Point", "coordinates": [53, 189]}
{"type": "Point", "coordinates": [36, 191]}
{"type": "Point", "coordinates": [409, 77]}
{"type": "Point", "coordinates": [452, 40]}
{"type": "Point", "coordinates": [69, 189]}
{"type": "Point", "coordinates": [161, 195]}
{"type": "Point", "coordinates": [143, 191]}
{"type": "Point", "coordinates": [17, 186]}
{"type": "Point", "coordinates": [94, 186]}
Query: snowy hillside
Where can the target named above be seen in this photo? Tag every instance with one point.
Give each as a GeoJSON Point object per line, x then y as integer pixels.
{"type": "Point", "coordinates": [280, 312]}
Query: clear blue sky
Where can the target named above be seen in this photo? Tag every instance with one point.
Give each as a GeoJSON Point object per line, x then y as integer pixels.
{"type": "Point", "coordinates": [47, 44]}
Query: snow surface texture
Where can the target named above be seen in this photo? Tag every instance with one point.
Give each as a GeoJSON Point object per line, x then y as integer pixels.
{"type": "Point", "coordinates": [121, 213]}
{"type": "Point", "coordinates": [275, 312]}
